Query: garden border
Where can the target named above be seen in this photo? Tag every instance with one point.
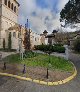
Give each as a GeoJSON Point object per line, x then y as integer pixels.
{"type": "Point", "coordinates": [43, 82]}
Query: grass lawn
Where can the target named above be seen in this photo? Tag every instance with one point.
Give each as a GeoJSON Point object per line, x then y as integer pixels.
{"type": "Point", "coordinates": [41, 60]}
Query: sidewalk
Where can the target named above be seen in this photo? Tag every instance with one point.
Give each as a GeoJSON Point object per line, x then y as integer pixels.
{"type": "Point", "coordinates": [54, 53]}
{"type": "Point", "coordinates": [5, 54]}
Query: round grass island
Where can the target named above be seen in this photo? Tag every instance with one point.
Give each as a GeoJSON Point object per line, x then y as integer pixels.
{"type": "Point", "coordinates": [37, 65]}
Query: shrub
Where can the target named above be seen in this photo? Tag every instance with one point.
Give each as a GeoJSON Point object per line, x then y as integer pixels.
{"type": "Point", "coordinates": [30, 54]}
{"type": "Point", "coordinates": [51, 48]}
{"type": "Point", "coordinates": [77, 45]}
{"type": "Point", "coordinates": [58, 44]}
{"type": "Point", "coordinates": [61, 49]}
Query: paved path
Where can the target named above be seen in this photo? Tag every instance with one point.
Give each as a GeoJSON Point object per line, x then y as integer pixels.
{"type": "Point", "coordinates": [54, 53]}
{"type": "Point", "coordinates": [5, 54]}
{"type": "Point", "coordinates": [8, 84]}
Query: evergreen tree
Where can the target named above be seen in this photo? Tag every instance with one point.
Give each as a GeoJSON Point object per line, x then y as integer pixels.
{"type": "Point", "coordinates": [26, 41]}
{"type": "Point", "coordinates": [9, 41]}
{"type": "Point", "coordinates": [4, 43]}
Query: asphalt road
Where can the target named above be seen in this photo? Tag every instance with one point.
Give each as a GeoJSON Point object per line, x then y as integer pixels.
{"type": "Point", "coordinates": [8, 84]}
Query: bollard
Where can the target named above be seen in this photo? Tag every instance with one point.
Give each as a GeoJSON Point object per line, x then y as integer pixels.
{"type": "Point", "coordinates": [4, 66]}
{"type": "Point", "coordinates": [47, 74]}
{"type": "Point", "coordinates": [24, 69]}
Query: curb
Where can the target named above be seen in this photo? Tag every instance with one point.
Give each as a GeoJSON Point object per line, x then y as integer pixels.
{"type": "Point", "coordinates": [43, 82]}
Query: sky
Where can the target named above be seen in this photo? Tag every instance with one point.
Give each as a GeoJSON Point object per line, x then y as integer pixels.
{"type": "Point", "coordinates": [42, 14]}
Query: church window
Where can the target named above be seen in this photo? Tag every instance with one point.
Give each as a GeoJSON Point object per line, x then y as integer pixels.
{"type": "Point", "coordinates": [15, 9]}
{"type": "Point", "coordinates": [14, 34]}
{"type": "Point", "coordinates": [5, 2]}
{"type": "Point", "coordinates": [12, 6]}
{"type": "Point", "coordinates": [9, 4]}
{"type": "Point", "coordinates": [18, 35]}
{"type": "Point", "coordinates": [35, 39]}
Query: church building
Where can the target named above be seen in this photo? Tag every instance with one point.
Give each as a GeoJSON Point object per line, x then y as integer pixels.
{"type": "Point", "coordinates": [8, 18]}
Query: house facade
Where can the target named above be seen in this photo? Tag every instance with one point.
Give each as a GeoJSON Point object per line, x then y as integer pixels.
{"type": "Point", "coordinates": [35, 39]}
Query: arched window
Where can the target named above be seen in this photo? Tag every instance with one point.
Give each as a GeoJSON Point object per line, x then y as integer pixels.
{"type": "Point", "coordinates": [12, 6]}
{"type": "Point", "coordinates": [9, 4]}
{"type": "Point", "coordinates": [5, 2]}
{"type": "Point", "coordinates": [15, 9]}
{"type": "Point", "coordinates": [14, 34]}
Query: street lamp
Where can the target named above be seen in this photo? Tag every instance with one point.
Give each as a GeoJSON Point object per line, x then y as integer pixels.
{"type": "Point", "coordinates": [49, 64]}
{"type": "Point", "coordinates": [20, 43]}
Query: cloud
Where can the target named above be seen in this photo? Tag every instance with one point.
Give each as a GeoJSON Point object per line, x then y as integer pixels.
{"type": "Point", "coordinates": [41, 18]}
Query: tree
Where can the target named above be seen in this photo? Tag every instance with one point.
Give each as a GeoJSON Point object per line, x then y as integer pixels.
{"type": "Point", "coordinates": [4, 43]}
{"type": "Point", "coordinates": [26, 41]}
{"type": "Point", "coordinates": [77, 45]}
{"type": "Point", "coordinates": [71, 12]}
{"type": "Point", "coordinates": [9, 41]}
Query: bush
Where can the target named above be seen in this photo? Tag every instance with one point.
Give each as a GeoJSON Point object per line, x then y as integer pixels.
{"type": "Point", "coordinates": [58, 44]}
{"type": "Point", "coordinates": [30, 54]}
{"type": "Point", "coordinates": [77, 45]}
{"type": "Point", "coordinates": [55, 48]}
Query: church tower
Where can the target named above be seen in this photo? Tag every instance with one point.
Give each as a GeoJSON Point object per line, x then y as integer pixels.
{"type": "Point", "coordinates": [8, 17]}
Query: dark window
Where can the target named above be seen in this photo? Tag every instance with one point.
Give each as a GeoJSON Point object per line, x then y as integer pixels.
{"type": "Point", "coordinates": [12, 6]}
{"type": "Point", "coordinates": [15, 9]}
{"type": "Point", "coordinates": [9, 4]}
{"type": "Point", "coordinates": [35, 39]}
{"type": "Point", "coordinates": [5, 2]}
{"type": "Point", "coordinates": [10, 33]}
{"type": "Point", "coordinates": [18, 35]}
{"type": "Point", "coordinates": [14, 34]}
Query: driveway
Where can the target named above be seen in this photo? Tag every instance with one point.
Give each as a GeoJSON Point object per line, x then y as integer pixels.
{"type": "Point", "coordinates": [8, 84]}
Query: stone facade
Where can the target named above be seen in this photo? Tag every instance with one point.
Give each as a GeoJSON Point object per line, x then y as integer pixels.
{"type": "Point", "coordinates": [8, 18]}
{"type": "Point", "coordinates": [17, 34]}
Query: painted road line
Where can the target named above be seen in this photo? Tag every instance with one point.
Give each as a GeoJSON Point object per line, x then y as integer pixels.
{"type": "Point", "coordinates": [43, 82]}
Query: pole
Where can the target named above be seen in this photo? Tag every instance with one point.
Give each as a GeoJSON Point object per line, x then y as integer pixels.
{"type": "Point", "coordinates": [24, 69]}
{"type": "Point", "coordinates": [66, 52]}
{"type": "Point", "coordinates": [4, 66]}
{"type": "Point", "coordinates": [47, 74]}
{"type": "Point", "coordinates": [29, 40]}
{"type": "Point", "coordinates": [20, 44]}
{"type": "Point", "coordinates": [49, 58]}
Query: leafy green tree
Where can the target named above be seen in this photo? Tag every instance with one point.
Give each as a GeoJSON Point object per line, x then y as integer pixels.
{"type": "Point", "coordinates": [4, 43]}
{"type": "Point", "coordinates": [9, 41]}
{"type": "Point", "coordinates": [71, 12]}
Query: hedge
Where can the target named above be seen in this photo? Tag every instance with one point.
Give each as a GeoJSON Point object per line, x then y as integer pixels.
{"type": "Point", "coordinates": [77, 45]}
{"type": "Point", "coordinates": [55, 48]}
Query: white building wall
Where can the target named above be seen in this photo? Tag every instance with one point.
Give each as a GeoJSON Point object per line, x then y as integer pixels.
{"type": "Point", "coordinates": [46, 41]}
{"type": "Point", "coordinates": [35, 39]}
{"type": "Point", "coordinates": [15, 40]}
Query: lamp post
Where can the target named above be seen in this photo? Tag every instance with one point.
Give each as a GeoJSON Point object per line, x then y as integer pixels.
{"type": "Point", "coordinates": [27, 36]}
{"type": "Point", "coordinates": [49, 65]}
{"type": "Point", "coordinates": [20, 43]}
